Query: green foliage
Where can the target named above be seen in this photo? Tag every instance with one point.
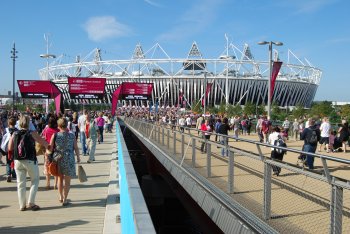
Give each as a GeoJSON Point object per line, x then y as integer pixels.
{"type": "Point", "coordinates": [249, 108]}
{"type": "Point", "coordinates": [321, 109]}
{"type": "Point", "coordinates": [260, 110]}
{"type": "Point", "coordinates": [197, 106]}
{"type": "Point", "coordinates": [298, 111]}
{"type": "Point", "coordinates": [345, 112]}
{"type": "Point", "coordinates": [222, 108]}
{"type": "Point", "coordinates": [214, 110]}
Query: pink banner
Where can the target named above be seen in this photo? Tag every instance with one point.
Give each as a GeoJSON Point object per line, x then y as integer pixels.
{"type": "Point", "coordinates": [207, 90]}
{"type": "Point", "coordinates": [40, 89]}
{"type": "Point", "coordinates": [115, 98]}
{"type": "Point", "coordinates": [275, 70]}
{"type": "Point", "coordinates": [86, 88]}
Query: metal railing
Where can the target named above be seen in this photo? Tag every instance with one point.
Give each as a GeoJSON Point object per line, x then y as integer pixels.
{"type": "Point", "coordinates": [299, 200]}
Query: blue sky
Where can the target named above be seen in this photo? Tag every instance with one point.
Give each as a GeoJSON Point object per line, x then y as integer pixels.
{"type": "Point", "coordinates": [314, 29]}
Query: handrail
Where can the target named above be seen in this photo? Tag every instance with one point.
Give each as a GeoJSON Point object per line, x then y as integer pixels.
{"type": "Point", "coordinates": [331, 158]}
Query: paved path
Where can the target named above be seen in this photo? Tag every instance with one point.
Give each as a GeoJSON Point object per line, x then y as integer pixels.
{"type": "Point", "coordinates": [86, 214]}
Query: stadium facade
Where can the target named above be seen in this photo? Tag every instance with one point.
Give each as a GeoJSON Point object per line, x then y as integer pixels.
{"type": "Point", "coordinates": [236, 77]}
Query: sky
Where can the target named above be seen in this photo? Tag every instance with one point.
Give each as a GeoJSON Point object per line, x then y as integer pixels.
{"type": "Point", "coordinates": [314, 29]}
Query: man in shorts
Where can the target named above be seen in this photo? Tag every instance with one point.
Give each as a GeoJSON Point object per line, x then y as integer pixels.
{"type": "Point", "coordinates": [325, 131]}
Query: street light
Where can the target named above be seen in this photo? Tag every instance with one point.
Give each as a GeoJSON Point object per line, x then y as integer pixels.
{"type": "Point", "coordinates": [47, 56]}
{"type": "Point", "coordinates": [14, 56]}
{"type": "Point", "coordinates": [270, 43]}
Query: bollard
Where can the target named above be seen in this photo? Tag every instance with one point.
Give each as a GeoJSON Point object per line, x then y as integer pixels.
{"type": "Point", "coordinates": [267, 191]}
{"type": "Point", "coordinates": [208, 160]}
{"type": "Point", "coordinates": [193, 152]}
{"type": "Point", "coordinates": [231, 163]}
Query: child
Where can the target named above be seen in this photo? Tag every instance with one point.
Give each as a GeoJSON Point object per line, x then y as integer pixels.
{"type": "Point", "coordinates": [331, 140]}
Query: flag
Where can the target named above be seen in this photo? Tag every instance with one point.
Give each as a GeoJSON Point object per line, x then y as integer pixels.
{"type": "Point", "coordinates": [207, 90]}
{"type": "Point", "coordinates": [181, 94]}
{"type": "Point", "coordinates": [275, 70]}
{"type": "Point", "coordinates": [115, 98]}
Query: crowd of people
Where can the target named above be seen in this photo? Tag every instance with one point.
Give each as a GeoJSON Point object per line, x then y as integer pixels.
{"type": "Point", "coordinates": [22, 134]}
{"type": "Point", "coordinates": [310, 130]}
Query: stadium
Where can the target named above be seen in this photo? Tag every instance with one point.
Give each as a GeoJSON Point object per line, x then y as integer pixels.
{"type": "Point", "coordinates": [235, 77]}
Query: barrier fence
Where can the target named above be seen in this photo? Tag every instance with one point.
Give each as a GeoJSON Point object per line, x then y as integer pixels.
{"type": "Point", "coordinates": [299, 200]}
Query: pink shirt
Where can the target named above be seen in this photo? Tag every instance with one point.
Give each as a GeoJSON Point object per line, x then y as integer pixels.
{"type": "Point", "coordinates": [48, 133]}
{"type": "Point", "coordinates": [100, 121]}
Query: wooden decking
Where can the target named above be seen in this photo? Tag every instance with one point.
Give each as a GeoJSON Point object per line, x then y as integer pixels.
{"type": "Point", "coordinates": [85, 214]}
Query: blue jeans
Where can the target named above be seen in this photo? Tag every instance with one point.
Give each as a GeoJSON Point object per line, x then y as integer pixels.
{"type": "Point", "coordinates": [223, 141]}
{"type": "Point", "coordinates": [9, 170]}
{"type": "Point", "coordinates": [310, 159]}
{"type": "Point", "coordinates": [83, 142]}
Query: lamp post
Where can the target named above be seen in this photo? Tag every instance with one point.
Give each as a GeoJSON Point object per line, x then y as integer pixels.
{"type": "Point", "coordinates": [13, 56]}
{"type": "Point", "coordinates": [47, 56]}
{"type": "Point", "coordinates": [270, 43]}
{"type": "Point", "coordinates": [205, 92]}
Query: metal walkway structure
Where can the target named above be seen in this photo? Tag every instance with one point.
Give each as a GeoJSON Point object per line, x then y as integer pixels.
{"type": "Point", "coordinates": [239, 193]}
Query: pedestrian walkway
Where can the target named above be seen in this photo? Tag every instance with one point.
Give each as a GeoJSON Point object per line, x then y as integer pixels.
{"type": "Point", "coordinates": [85, 214]}
{"type": "Point", "coordinates": [300, 201]}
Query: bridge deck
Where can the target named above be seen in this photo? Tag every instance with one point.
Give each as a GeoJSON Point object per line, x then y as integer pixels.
{"type": "Point", "coordinates": [86, 214]}
{"type": "Point", "coordinates": [299, 203]}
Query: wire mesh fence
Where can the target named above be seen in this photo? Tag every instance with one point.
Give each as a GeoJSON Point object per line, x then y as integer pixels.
{"type": "Point", "coordinates": [296, 201]}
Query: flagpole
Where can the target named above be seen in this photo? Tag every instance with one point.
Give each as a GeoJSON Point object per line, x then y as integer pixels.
{"type": "Point", "coordinates": [205, 94]}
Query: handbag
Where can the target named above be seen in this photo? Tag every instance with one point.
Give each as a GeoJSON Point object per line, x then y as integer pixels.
{"type": "Point", "coordinates": [57, 155]}
{"type": "Point", "coordinates": [81, 174]}
{"type": "Point", "coordinates": [40, 150]}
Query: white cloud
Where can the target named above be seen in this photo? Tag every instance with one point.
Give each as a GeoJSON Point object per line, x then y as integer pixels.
{"type": "Point", "coordinates": [105, 27]}
{"type": "Point", "coordinates": [193, 21]}
{"type": "Point", "coordinates": [152, 3]}
{"type": "Point", "coordinates": [309, 6]}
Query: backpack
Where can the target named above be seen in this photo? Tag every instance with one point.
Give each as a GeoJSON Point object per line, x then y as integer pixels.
{"type": "Point", "coordinates": [280, 142]}
{"type": "Point", "coordinates": [244, 123]}
{"type": "Point", "coordinates": [5, 141]}
{"type": "Point", "coordinates": [24, 146]}
{"type": "Point", "coordinates": [312, 138]}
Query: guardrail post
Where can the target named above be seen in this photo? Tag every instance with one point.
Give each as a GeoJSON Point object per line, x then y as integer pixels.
{"type": "Point", "coordinates": [267, 190]}
{"type": "Point", "coordinates": [182, 144]}
{"type": "Point", "coordinates": [208, 160]}
{"type": "Point", "coordinates": [193, 152]}
{"type": "Point", "coordinates": [158, 134]}
{"type": "Point", "coordinates": [231, 164]}
{"type": "Point", "coordinates": [174, 143]}
{"type": "Point", "coordinates": [336, 210]}
{"type": "Point", "coordinates": [162, 136]}
{"type": "Point", "coordinates": [168, 138]}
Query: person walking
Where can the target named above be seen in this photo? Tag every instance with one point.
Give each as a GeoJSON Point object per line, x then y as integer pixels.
{"type": "Point", "coordinates": [286, 126]}
{"type": "Point", "coordinates": [47, 133]}
{"type": "Point", "coordinates": [344, 134]}
{"type": "Point", "coordinates": [311, 136]}
{"type": "Point", "coordinates": [296, 129]}
{"type": "Point", "coordinates": [100, 122]}
{"type": "Point", "coordinates": [223, 130]}
{"type": "Point", "coordinates": [91, 135]}
{"type": "Point", "coordinates": [10, 171]}
{"type": "Point", "coordinates": [81, 126]}
{"type": "Point", "coordinates": [325, 129]}
{"type": "Point", "coordinates": [66, 144]}
{"type": "Point", "coordinates": [274, 137]}
{"type": "Point", "coordinates": [22, 150]}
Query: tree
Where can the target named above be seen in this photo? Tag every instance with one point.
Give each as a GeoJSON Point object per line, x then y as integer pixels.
{"type": "Point", "coordinates": [196, 106]}
{"type": "Point", "coordinates": [345, 112]}
{"type": "Point", "coordinates": [298, 111]}
{"type": "Point", "coordinates": [321, 109]}
{"type": "Point", "coordinates": [275, 111]}
{"type": "Point", "coordinates": [214, 110]}
{"type": "Point", "coordinates": [260, 110]}
{"type": "Point", "coordinates": [222, 108]}
{"type": "Point", "coordinates": [249, 108]}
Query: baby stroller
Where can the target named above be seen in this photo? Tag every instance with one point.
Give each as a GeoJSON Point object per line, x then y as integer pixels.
{"type": "Point", "coordinates": [337, 146]}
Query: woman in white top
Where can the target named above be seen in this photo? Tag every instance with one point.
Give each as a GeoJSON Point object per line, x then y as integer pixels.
{"type": "Point", "coordinates": [273, 137]}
